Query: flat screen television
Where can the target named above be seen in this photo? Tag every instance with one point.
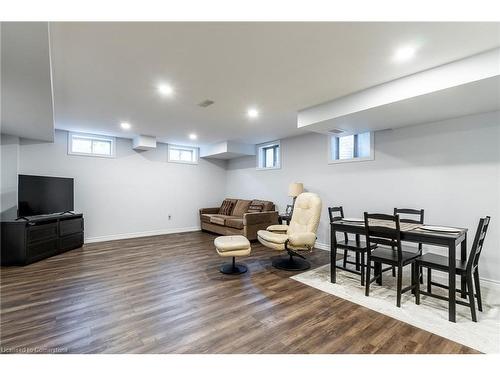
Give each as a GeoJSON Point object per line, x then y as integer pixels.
{"type": "Point", "coordinates": [42, 195]}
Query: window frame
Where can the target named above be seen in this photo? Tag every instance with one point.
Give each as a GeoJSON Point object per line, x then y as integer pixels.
{"type": "Point", "coordinates": [260, 151]}
{"type": "Point", "coordinates": [195, 151]}
{"type": "Point", "coordinates": [92, 137]}
{"type": "Point", "coordinates": [335, 138]}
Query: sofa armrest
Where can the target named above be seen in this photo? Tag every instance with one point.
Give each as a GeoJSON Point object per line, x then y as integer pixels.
{"type": "Point", "coordinates": [212, 210]}
{"type": "Point", "coordinates": [302, 239]}
{"type": "Point", "coordinates": [278, 228]}
{"type": "Point", "coordinates": [267, 217]}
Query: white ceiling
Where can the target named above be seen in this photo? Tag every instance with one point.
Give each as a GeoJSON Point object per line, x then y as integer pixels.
{"type": "Point", "coordinates": [475, 97]}
{"type": "Point", "coordinates": [105, 73]}
{"type": "Point", "coordinates": [464, 87]}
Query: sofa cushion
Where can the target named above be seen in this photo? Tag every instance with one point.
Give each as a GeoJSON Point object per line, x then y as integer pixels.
{"type": "Point", "coordinates": [240, 208]}
{"type": "Point", "coordinates": [234, 222]}
{"type": "Point", "coordinates": [227, 206]}
{"type": "Point", "coordinates": [255, 207]}
{"type": "Point", "coordinates": [218, 219]}
{"type": "Point", "coordinates": [231, 243]}
{"type": "Point", "coordinates": [267, 205]}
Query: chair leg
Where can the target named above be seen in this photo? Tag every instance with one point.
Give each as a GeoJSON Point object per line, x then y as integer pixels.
{"type": "Point", "coordinates": [362, 261]}
{"type": "Point", "coordinates": [470, 291]}
{"type": "Point", "coordinates": [418, 275]}
{"type": "Point", "coordinates": [357, 261]}
{"type": "Point", "coordinates": [429, 280]}
{"type": "Point", "coordinates": [413, 278]}
{"type": "Point", "coordinates": [400, 285]}
{"type": "Point", "coordinates": [333, 261]}
{"type": "Point", "coordinates": [345, 259]}
{"type": "Point", "coordinates": [378, 272]}
{"type": "Point", "coordinates": [421, 278]}
{"type": "Point", "coordinates": [478, 290]}
{"type": "Point", "coordinates": [368, 272]}
{"type": "Point", "coordinates": [393, 271]}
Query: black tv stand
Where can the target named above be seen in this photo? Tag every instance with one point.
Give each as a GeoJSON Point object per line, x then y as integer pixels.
{"type": "Point", "coordinates": [38, 237]}
{"type": "Point", "coordinates": [22, 218]}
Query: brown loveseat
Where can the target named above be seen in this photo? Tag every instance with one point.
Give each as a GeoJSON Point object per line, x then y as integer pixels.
{"type": "Point", "coordinates": [245, 217]}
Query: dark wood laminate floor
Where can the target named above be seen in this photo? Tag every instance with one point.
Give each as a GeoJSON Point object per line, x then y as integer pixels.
{"type": "Point", "coordinates": [164, 294]}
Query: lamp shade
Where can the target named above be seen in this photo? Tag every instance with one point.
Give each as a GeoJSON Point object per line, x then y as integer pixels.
{"type": "Point", "coordinates": [295, 189]}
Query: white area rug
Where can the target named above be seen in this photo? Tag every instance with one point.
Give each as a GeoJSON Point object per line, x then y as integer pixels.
{"type": "Point", "coordinates": [431, 315]}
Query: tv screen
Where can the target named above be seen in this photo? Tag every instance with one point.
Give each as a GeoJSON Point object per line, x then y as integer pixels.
{"type": "Point", "coordinates": [41, 195]}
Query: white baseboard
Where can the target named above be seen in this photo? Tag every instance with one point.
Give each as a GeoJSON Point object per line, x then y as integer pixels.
{"type": "Point", "coordinates": [123, 236]}
{"type": "Point", "coordinates": [490, 288]}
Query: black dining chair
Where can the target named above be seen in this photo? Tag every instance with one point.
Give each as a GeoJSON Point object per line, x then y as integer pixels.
{"type": "Point", "coordinates": [385, 230]}
{"type": "Point", "coordinates": [346, 244]}
{"type": "Point", "coordinates": [418, 219]}
{"type": "Point", "coordinates": [469, 269]}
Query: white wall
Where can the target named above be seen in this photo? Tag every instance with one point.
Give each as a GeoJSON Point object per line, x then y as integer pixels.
{"type": "Point", "coordinates": [9, 154]}
{"type": "Point", "coordinates": [450, 168]}
{"type": "Point", "coordinates": [133, 193]}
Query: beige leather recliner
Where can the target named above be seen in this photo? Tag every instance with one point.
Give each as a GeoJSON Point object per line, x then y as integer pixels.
{"type": "Point", "coordinates": [300, 235]}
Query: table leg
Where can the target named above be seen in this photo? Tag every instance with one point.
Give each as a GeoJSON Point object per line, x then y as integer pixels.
{"type": "Point", "coordinates": [452, 282]}
{"type": "Point", "coordinates": [463, 257]}
{"type": "Point", "coordinates": [333, 256]}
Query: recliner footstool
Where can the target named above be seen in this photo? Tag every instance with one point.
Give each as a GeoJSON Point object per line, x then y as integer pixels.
{"type": "Point", "coordinates": [232, 246]}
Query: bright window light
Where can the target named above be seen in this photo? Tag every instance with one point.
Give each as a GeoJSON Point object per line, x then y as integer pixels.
{"type": "Point", "coordinates": [269, 155]}
{"type": "Point", "coordinates": [182, 154]}
{"type": "Point", "coordinates": [355, 147]}
{"type": "Point", "coordinates": [91, 145]}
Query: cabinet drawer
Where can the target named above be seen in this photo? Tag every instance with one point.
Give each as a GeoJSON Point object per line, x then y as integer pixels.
{"type": "Point", "coordinates": [42, 232]}
{"type": "Point", "coordinates": [71, 242]}
{"type": "Point", "coordinates": [38, 249]}
{"type": "Point", "coordinates": [70, 226]}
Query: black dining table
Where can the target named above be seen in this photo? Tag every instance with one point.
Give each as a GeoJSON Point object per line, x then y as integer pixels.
{"type": "Point", "coordinates": [417, 235]}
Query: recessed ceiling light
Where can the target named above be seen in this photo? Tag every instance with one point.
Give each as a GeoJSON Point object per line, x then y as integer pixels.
{"type": "Point", "coordinates": [193, 136]}
{"type": "Point", "coordinates": [252, 113]}
{"type": "Point", "coordinates": [165, 89]}
{"type": "Point", "coordinates": [125, 125]}
{"type": "Point", "coordinates": [404, 53]}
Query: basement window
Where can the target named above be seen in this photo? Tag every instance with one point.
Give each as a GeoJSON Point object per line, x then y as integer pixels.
{"type": "Point", "coordinates": [348, 148]}
{"type": "Point", "coordinates": [182, 154]}
{"type": "Point", "coordinates": [91, 145]}
{"type": "Point", "coordinates": [269, 155]}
